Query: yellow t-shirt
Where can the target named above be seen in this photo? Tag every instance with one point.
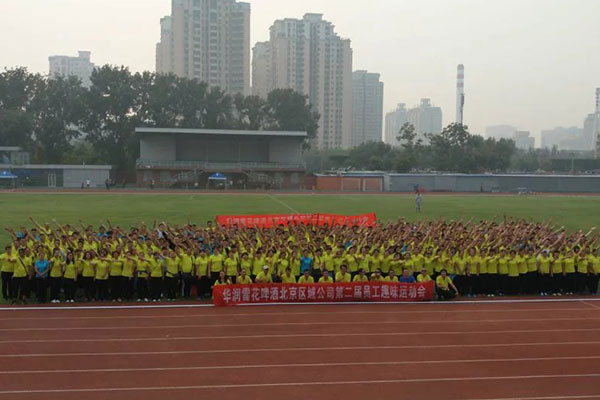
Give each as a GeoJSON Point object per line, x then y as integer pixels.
{"type": "Point", "coordinates": [443, 283]}
{"type": "Point", "coordinates": [20, 270]}
{"type": "Point", "coordinates": [70, 271]}
{"type": "Point", "coordinates": [569, 264]}
{"type": "Point", "coordinates": [557, 265]}
{"type": "Point", "coordinates": [544, 264]}
{"type": "Point", "coordinates": [7, 262]}
{"type": "Point", "coordinates": [116, 267]}
{"type": "Point", "coordinates": [218, 283]}
{"type": "Point", "coordinates": [513, 266]}
{"type": "Point", "coordinates": [352, 262]}
{"type": "Point", "coordinates": [360, 278]}
{"type": "Point", "coordinates": [216, 261]}
{"type": "Point", "coordinates": [288, 279]}
{"type": "Point", "coordinates": [423, 278]}
{"type": "Point", "coordinates": [231, 266]}
{"type": "Point", "coordinates": [202, 266]}
{"type": "Point", "coordinates": [263, 277]}
{"type": "Point", "coordinates": [246, 280]}
{"type": "Point", "coordinates": [186, 263]}
{"type": "Point", "coordinates": [342, 278]}
{"type": "Point", "coordinates": [380, 278]}
{"type": "Point", "coordinates": [304, 279]}
{"type": "Point", "coordinates": [127, 270]}
{"type": "Point", "coordinates": [326, 280]}
{"type": "Point", "coordinates": [101, 270]}
{"type": "Point", "coordinates": [156, 268]}
{"type": "Point", "coordinates": [582, 265]}
{"type": "Point", "coordinates": [388, 279]}
{"type": "Point", "coordinates": [172, 265]}
{"type": "Point", "coordinates": [56, 268]}
{"type": "Point", "coordinates": [503, 265]}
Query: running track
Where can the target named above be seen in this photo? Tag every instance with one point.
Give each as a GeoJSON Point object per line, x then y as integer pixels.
{"type": "Point", "coordinates": [487, 350]}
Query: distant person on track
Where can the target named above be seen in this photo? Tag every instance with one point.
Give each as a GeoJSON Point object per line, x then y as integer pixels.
{"type": "Point", "coordinates": [418, 201]}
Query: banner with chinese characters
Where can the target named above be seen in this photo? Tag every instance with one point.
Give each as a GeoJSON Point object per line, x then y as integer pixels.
{"type": "Point", "coordinates": [227, 295]}
{"type": "Point", "coordinates": [271, 221]}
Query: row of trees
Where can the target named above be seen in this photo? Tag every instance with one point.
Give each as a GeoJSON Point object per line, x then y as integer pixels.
{"type": "Point", "coordinates": [455, 149]}
{"type": "Point", "coordinates": [60, 121]}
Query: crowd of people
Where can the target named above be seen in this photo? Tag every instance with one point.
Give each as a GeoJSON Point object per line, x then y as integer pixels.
{"type": "Point", "coordinates": [164, 262]}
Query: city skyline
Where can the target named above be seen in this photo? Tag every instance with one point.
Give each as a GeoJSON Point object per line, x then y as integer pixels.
{"type": "Point", "coordinates": [524, 68]}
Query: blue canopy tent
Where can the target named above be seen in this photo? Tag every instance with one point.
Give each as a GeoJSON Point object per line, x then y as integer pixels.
{"type": "Point", "coordinates": [218, 179]}
{"type": "Point", "coordinates": [8, 177]}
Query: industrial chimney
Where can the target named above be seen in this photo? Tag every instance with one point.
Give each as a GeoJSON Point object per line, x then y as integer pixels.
{"type": "Point", "coordinates": [597, 100]}
{"type": "Point", "coordinates": [460, 93]}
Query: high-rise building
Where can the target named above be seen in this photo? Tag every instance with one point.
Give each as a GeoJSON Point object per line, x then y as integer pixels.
{"type": "Point", "coordinates": [523, 140]}
{"type": "Point", "coordinates": [563, 138]}
{"type": "Point", "coordinates": [80, 67]}
{"type": "Point", "coordinates": [591, 127]}
{"type": "Point", "coordinates": [426, 119]}
{"type": "Point", "coordinates": [308, 56]}
{"type": "Point", "coordinates": [208, 40]}
{"type": "Point", "coordinates": [261, 69]}
{"type": "Point", "coordinates": [393, 122]}
{"type": "Point", "coordinates": [367, 108]}
{"type": "Point", "coordinates": [500, 132]}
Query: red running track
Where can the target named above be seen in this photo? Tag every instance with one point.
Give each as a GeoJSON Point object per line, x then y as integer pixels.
{"type": "Point", "coordinates": [488, 350]}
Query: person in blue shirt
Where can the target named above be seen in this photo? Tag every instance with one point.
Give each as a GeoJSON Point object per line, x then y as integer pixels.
{"type": "Point", "coordinates": [306, 262]}
{"type": "Point", "coordinates": [406, 276]}
{"type": "Point", "coordinates": [42, 268]}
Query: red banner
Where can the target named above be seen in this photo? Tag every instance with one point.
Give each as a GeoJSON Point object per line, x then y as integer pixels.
{"type": "Point", "coordinates": [271, 221]}
{"type": "Point", "coordinates": [228, 295]}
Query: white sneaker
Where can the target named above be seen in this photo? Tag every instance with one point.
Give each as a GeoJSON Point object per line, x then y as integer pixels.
{"type": "Point", "coordinates": [138, 300]}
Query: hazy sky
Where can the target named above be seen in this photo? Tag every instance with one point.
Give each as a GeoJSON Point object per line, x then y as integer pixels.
{"type": "Point", "coordinates": [530, 63]}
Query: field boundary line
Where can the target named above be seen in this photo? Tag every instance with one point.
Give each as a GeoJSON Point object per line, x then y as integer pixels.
{"type": "Point", "coordinates": [275, 199]}
{"type": "Point", "coordinates": [288, 384]}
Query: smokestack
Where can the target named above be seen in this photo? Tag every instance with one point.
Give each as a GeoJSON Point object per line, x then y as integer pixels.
{"type": "Point", "coordinates": [597, 100]}
{"type": "Point", "coordinates": [460, 93]}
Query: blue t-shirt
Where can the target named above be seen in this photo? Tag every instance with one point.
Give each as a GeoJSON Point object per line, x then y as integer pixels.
{"type": "Point", "coordinates": [410, 279]}
{"type": "Point", "coordinates": [305, 264]}
{"type": "Point", "coordinates": [42, 266]}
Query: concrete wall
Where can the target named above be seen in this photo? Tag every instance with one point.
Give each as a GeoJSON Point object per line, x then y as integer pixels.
{"type": "Point", "coordinates": [503, 183]}
{"type": "Point", "coordinates": [157, 148]}
{"type": "Point", "coordinates": [73, 178]}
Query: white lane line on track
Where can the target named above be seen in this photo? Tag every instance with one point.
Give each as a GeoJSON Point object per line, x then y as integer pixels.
{"type": "Point", "coordinates": [273, 324]}
{"type": "Point", "coordinates": [591, 304]}
{"type": "Point", "coordinates": [290, 384]}
{"type": "Point", "coordinates": [287, 314]}
{"type": "Point", "coordinates": [416, 304]}
{"type": "Point", "coordinates": [275, 199]}
{"type": "Point", "coordinates": [305, 365]}
{"type": "Point", "coordinates": [300, 335]}
{"type": "Point", "coordinates": [293, 349]}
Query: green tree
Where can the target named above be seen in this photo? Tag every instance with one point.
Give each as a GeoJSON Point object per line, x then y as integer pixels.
{"type": "Point", "coordinates": [290, 111]}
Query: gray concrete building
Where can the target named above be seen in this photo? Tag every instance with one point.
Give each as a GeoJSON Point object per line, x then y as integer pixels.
{"type": "Point", "coordinates": [208, 40]}
{"type": "Point", "coordinates": [80, 67]}
{"type": "Point", "coordinates": [425, 118]}
{"type": "Point", "coordinates": [393, 122]}
{"type": "Point", "coordinates": [367, 108]}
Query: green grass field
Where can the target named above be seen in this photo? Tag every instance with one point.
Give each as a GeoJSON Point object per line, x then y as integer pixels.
{"type": "Point", "coordinates": [129, 209]}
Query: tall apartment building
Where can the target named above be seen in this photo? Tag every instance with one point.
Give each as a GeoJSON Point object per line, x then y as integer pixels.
{"type": "Point", "coordinates": [79, 66]}
{"type": "Point", "coordinates": [308, 56]}
{"type": "Point", "coordinates": [261, 69]}
{"type": "Point", "coordinates": [426, 119]}
{"type": "Point", "coordinates": [591, 127]}
{"type": "Point", "coordinates": [208, 40]}
{"type": "Point", "coordinates": [393, 122]}
{"type": "Point", "coordinates": [367, 108]}
{"type": "Point", "coordinates": [563, 138]}
{"type": "Point", "coordinates": [524, 140]}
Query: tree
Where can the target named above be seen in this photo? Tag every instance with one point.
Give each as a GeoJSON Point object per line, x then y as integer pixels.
{"type": "Point", "coordinates": [290, 111]}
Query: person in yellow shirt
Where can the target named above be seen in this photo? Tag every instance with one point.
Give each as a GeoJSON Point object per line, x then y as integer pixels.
{"type": "Point", "coordinates": [513, 273]}
{"type": "Point", "coordinates": [378, 277]}
{"type": "Point", "coordinates": [243, 278]}
{"type": "Point", "coordinates": [325, 278]}
{"type": "Point", "coordinates": [361, 276]}
{"type": "Point", "coordinates": [142, 272]}
{"type": "Point", "coordinates": [343, 275]}
{"type": "Point", "coordinates": [569, 275]}
{"type": "Point", "coordinates": [306, 278]}
{"type": "Point", "coordinates": [231, 265]}
{"type": "Point", "coordinates": [556, 273]}
{"type": "Point", "coordinates": [171, 263]}
{"type": "Point", "coordinates": [503, 272]}
{"type": "Point", "coordinates": [390, 278]}
{"type": "Point", "coordinates": [7, 267]}
{"type": "Point", "coordinates": [423, 276]}
{"type": "Point", "coordinates": [201, 262]}
{"type": "Point", "coordinates": [287, 276]}
{"type": "Point", "coordinates": [594, 272]}
{"type": "Point", "coordinates": [70, 277]}
{"type": "Point", "coordinates": [156, 276]}
{"type": "Point", "coordinates": [88, 272]}
{"type": "Point", "coordinates": [115, 279]}
{"type": "Point", "coordinates": [186, 267]}
{"type": "Point", "coordinates": [582, 268]}
{"type": "Point", "coordinates": [56, 274]}
{"type": "Point", "coordinates": [543, 267]}
{"type": "Point", "coordinates": [101, 278]}
{"type": "Point", "coordinates": [20, 278]}
{"type": "Point", "coordinates": [264, 276]}
{"type": "Point", "coordinates": [444, 287]}
{"type": "Point", "coordinates": [127, 276]}
{"type": "Point", "coordinates": [222, 279]}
